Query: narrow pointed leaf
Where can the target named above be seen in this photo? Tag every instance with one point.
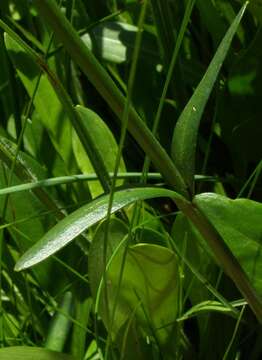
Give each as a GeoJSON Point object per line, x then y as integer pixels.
{"type": "Point", "coordinates": [186, 130]}
{"type": "Point", "coordinates": [208, 306]}
{"type": "Point", "coordinates": [80, 220]}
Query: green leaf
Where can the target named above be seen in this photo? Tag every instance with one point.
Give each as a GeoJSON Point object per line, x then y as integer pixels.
{"type": "Point", "coordinates": [239, 223]}
{"type": "Point", "coordinates": [151, 279]}
{"type": "Point", "coordinates": [31, 353]}
{"type": "Point", "coordinates": [83, 309]}
{"type": "Point", "coordinates": [46, 101]}
{"type": "Point", "coordinates": [104, 143]}
{"type": "Point", "coordinates": [74, 224]}
{"type": "Point", "coordinates": [149, 284]}
{"type": "Point", "coordinates": [60, 324]}
{"type": "Point", "coordinates": [185, 134]}
{"type": "Point", "coordinates": [25, 206]}
{"type": "Point", "coordinates": [116, 232]}
{"type": "Point", "coordinates": [208, 306]}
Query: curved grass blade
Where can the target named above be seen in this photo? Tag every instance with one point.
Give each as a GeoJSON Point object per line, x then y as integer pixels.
{"type": "Point", "coordinates": [211, 305]}
{"type": "Point", "coordinates": [186, 130]}
{"type": "Point", "coordinates": [74, 224]}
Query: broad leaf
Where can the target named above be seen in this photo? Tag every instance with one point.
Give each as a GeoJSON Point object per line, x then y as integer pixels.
{"type": "Point", "coordinates": [147, 298]}
{"type": "Point", "coordinates": [74, 224]}
{"type": "Point", "coordinates": [186, 130]}
{"type": "Point", "coordinates": [31, 353]}
{"type": "Point", "coordinates": [149, 282]}
{"type": "Point", "coordinates": [149, 286]}
{"type": "Point", "coordinates": [239, 223]}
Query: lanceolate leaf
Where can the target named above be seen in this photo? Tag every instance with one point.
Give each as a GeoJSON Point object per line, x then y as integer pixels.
{"type": "Point", "coordinates": [74, 224]}
{"type": "Point", "coordinates": [239, 223]}
{"type": "Point", "coordinates": [186, 130]}
{"type": "Point", "coordinates": [208, 306]}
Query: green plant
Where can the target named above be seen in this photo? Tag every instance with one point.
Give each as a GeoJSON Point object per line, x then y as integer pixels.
{"type": "Point", "coordinates": [157, 263]}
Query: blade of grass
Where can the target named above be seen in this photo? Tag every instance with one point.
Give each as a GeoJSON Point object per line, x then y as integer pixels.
{"type": "Point", "coordinates": [60, 325]}
{"type": "Point", "coordinates": [88, 177]}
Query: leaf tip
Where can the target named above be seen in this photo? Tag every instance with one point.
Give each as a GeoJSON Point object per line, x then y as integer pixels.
{"type": "Point", "coordinates": [18, 267]}
{"type": "Point", "coordinates": [22, 264]}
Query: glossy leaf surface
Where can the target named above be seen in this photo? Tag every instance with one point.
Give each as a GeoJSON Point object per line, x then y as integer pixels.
{"type": "Point", "coordinates": [74, 224]}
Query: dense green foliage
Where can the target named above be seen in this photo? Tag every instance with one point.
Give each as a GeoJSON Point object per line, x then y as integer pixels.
{"type": "Point", "coordinates": [130, 179]}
